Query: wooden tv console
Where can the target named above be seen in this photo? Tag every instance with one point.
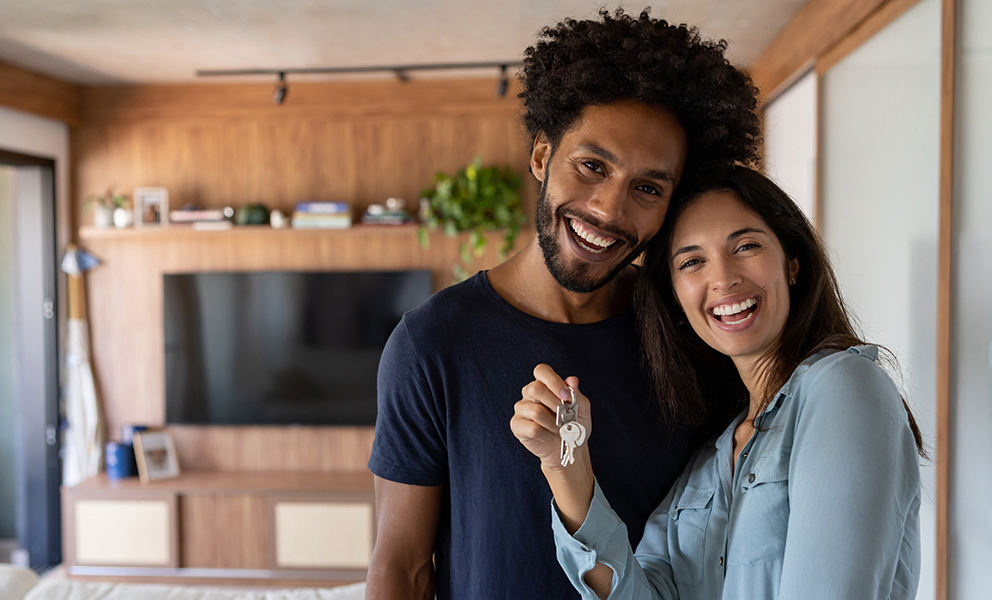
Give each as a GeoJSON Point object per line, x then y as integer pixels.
{"type": "Point", "coordinates": [285, 528]}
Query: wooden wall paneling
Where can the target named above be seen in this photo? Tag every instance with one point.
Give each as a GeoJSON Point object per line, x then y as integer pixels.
{"type": "Point", "coordinates": [945, 287]}
{"type": "Point", "coordinates": [219, 145]}
{"type": "Point", "coordinates": [224, 531]}
{"type": "Point", "coordinates": [819, 25]}
{"type": "Point", "coordinates": [40, 95]}
{"type": "Point", "coordinates": [125, 295]}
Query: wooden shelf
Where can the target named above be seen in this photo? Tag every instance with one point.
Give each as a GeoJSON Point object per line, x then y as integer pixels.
{"type": "Point", "coordinates": [259, 482]}
{"type": "Point", "coordinates": [175, 231]}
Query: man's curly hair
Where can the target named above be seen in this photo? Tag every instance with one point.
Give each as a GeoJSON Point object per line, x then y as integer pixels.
{"type": "Point", "coordinates": [576, 64]}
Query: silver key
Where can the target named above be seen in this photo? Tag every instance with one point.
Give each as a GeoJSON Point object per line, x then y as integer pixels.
{"type": "Point", "coordinates": [571, 431]}
{"type": "Point", "coordinates": [572, 436]}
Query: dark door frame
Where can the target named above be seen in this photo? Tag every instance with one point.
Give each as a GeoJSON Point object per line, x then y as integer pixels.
{"type": "Point", "coordinates": [38, 519]}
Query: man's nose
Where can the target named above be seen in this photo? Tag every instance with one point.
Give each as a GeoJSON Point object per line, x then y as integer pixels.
{"type": "Point", "coordinates": [609, 203]}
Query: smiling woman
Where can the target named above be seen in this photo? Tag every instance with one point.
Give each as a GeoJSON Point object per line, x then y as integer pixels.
{"type": "Point", "coordinates": [812, 490]}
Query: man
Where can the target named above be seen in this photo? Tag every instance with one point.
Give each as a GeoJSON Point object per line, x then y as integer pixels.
{"type": "Point", "coordinates": [620, 109]}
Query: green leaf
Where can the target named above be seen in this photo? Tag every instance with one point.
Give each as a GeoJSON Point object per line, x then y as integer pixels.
{"type": "Point", "coordinates": [424, 237]}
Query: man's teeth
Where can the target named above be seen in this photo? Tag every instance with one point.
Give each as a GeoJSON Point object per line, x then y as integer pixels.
{"type": "Point", "coordinates": [598, 242]}
{"type": "Point", "coordinates": [733, 309]}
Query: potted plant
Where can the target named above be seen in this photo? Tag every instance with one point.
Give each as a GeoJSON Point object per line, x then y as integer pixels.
{"type": "Point", "coordinates": [104, 207]}
{"type": "Point", "coordinates": [476, 199]}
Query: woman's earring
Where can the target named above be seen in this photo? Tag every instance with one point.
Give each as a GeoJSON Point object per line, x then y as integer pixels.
{"type": "Point", "coordinates": [793, 280]}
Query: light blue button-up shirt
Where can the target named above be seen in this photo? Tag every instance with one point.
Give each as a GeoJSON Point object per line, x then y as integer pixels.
{"type": "Point", "coordinates": [823, 504]}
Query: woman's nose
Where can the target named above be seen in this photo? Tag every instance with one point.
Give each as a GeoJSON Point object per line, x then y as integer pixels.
{"type": "Point", "coordinates": [725, 276]}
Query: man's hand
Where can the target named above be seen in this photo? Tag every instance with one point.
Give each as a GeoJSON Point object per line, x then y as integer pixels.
{"type": "Point", "coordinates": [402, 564]}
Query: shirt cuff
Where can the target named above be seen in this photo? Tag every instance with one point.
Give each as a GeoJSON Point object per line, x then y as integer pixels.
{"type": "Point", "coordinates": [601, 538]}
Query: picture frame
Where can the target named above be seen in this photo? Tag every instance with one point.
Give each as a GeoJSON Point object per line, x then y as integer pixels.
{"type": "Point", "coordinates": [155, 452]}
{"type": "Point", "coordinates": [151, 206]}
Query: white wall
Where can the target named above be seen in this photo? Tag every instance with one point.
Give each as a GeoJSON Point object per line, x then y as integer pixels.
{"type": "Point", "coordinates": [790, 142]}
{"type": "Point", "coordinates": [971, 360]}
{"type": "Point", "coordinates": [879, 209]}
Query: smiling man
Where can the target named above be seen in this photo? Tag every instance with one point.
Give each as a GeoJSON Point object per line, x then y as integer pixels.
{"type": "Point", "coordinates": [620, 110]}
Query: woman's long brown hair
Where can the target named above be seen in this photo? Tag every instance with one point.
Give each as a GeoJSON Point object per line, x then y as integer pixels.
{"type": "Point", "coordinates": [693, 382]}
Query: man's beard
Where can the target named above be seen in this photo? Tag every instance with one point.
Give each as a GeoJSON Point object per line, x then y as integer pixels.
{"type": "Point", "coordinates": [575, 279]}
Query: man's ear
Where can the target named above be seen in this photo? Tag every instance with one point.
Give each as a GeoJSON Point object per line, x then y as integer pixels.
{"type": "Point", "coordinates": [539, 156]}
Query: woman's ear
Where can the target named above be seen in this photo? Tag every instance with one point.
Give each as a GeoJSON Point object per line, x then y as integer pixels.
{"type": "Point", "coordinates": [793, 271]}
{"type": "Point", "coordinates": [539, 156]}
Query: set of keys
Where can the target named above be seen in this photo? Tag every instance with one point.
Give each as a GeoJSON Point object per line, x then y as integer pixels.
{"type": "Point", "coordinates": [571, 431]}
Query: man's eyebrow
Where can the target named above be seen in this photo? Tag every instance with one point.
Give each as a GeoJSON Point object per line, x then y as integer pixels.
{"type": "Point", "coordinates": [612, 158]}
{"type": "Point", "coordinates": [731, 237]}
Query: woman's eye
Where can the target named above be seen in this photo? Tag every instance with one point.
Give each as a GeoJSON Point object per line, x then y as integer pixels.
{"type": "Point", "coordinates": [748, 246]}
{"type": "Point", "coordinates": [689, 263]}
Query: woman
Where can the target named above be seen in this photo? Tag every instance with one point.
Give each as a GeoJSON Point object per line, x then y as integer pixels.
{"type": "Point", "coordinates": [813, 489]}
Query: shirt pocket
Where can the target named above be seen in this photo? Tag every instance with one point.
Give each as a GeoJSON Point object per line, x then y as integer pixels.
{"type": "Point", "coordinates": [763, 519]}
{"type": "Point", "coordinates": [687, 534]}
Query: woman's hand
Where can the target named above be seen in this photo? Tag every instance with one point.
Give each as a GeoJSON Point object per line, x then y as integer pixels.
{"type": "Point", "coordinates": [534, 424]}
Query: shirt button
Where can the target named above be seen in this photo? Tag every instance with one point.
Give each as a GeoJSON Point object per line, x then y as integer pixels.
{"type": "Point", "coordinates": [744, 455]}
{"type": "Point", "coordinates": [750, 478]}
{"type": "Point", "coordinates": [721, 561]}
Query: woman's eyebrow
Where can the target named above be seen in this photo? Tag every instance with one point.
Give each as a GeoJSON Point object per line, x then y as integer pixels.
{"type": "Point", "coordinates": [731, 237]}
{"type": "Point", "coordinates": [741, 232]}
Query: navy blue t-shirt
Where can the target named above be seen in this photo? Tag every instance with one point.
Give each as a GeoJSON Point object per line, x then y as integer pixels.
{"type": "Point", "coordinates": [448, 379]}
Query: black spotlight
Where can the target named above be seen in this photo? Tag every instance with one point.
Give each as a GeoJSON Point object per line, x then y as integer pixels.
{"type": "Point", "coordinates": [279, 96]}
{"type": "Point", "coordinates": [503, 82]}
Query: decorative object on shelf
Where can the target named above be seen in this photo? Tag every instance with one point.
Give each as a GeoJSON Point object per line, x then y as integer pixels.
{"type": "Point", "coordinates": [151, 206]}
{"type": "Point", "coordinates": [278, 220]}
{"type": "Point", "coordinates": [393, 212]}
{"type": "Point", "coordinates": [104, 206]}
{"type": "Point", "coordinates": [120, 461]}
{"type": "Point", "coordinates": [322, 215]}
{"type": "Point", "coordinates": [123, 217]}
{"type": "Point", "coordinates": [155, 452]}
{"type": "Point", "coordinates": [476, 199]}
{"type": "Point", "coordinates": [251, 214]}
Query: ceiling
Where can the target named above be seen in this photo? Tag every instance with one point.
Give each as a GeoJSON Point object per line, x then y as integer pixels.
{"type": "Point", "coordinates": [107, 42]}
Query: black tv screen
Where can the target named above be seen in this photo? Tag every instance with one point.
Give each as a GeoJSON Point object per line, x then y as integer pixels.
{"type": "Point", "coordinates": [279, 348]}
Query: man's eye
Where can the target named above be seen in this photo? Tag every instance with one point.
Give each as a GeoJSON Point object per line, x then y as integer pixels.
{"type": "Point", "coordinates": [593, 166]}
{"type": "Point", "coordinates": [649, 189]}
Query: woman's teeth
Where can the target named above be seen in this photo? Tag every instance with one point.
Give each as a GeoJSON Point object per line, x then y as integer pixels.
{"type": "Point", "coordinates": [733, 309]}
{"type": "Point", "coordinates": [594, 243]}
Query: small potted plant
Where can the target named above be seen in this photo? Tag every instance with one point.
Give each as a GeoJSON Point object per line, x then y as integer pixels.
{"type": "Point", "coordinates": [108, 208]}
{"type": "Point", "coordinates": [476, 199]}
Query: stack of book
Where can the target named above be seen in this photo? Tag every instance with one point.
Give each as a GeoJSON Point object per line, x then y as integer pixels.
{"type": "Point", "coordinates": [377, 214]}
{"type": "Point", "coordinates": [219, 218]}
{"type": "Point", "coordinates": [322, 215]}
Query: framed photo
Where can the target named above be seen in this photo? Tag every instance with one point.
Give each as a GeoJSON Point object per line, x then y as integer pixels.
{"type": "Point", "coordinates": [155, 452]}
{"type": "Point", "coordinates": [151, 206]}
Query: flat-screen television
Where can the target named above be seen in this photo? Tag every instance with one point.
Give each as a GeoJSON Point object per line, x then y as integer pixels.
{"type": "Point", "coordinates": [280, 348]}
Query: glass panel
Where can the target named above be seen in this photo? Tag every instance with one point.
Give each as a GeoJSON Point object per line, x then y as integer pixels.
{"type": "Point", "coordinates": [971, 370]}
{"type": "Point", "coordinates": [880, 199]}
